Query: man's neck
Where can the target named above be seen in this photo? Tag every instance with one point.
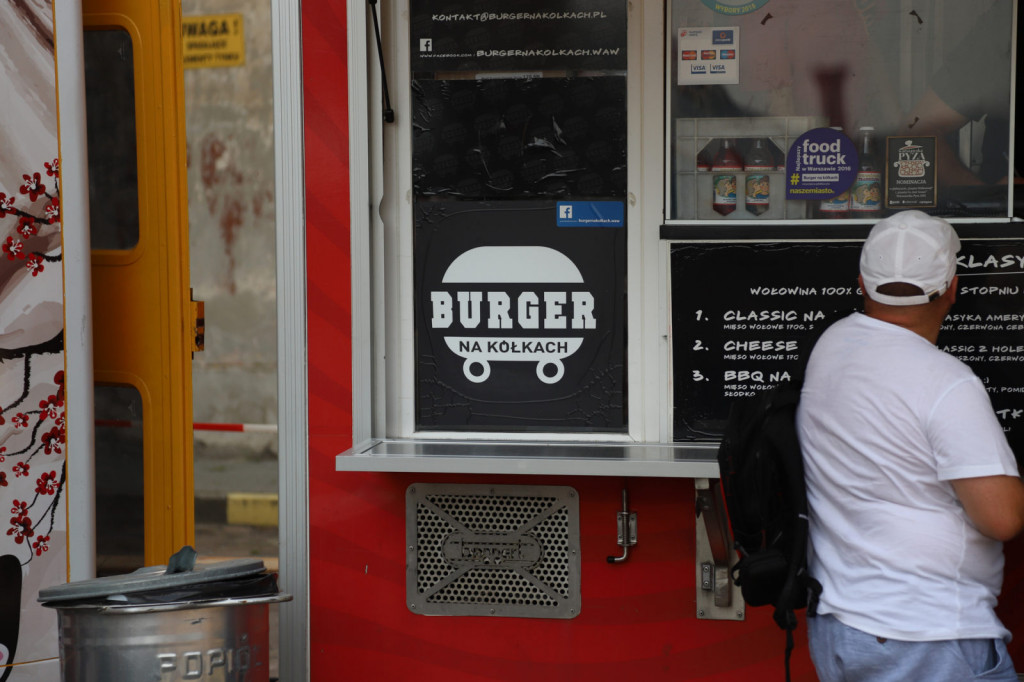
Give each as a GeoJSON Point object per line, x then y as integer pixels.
{"type": "Point", "coordinates": [921, 325]}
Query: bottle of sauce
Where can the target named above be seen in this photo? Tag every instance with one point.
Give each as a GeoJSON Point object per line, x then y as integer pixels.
{"type": "Point", "coordinates": [838, 206]}
{"type": "Point", "coordinates": [703, 160]}
{"type": "Point", "coordinates": [758, 162]}
{"type": "Point", "coordinates": [866, 192]}
{"type": "Point", "coordinates": [724, 168]}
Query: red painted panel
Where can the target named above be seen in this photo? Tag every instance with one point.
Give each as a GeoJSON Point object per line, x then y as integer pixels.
{"type": "Point", "coordinates": [637, 619]}
{"type": "Point", "coordinates": [328, 254]}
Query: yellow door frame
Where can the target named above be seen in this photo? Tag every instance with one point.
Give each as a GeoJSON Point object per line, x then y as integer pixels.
{"type": "Point", "coordinates": [143, 326]}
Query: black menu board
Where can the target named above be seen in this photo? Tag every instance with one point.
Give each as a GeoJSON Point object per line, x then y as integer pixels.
{"type": "Point", "coordinates": [744, 313]}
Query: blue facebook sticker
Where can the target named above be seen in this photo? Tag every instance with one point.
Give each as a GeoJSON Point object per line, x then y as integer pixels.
{"type": "Point", "coordinates": [590, 214]}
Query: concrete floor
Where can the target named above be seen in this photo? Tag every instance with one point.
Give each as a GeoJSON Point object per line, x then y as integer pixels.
{"type": "Point", "coordinates": [235, 466]}
{"type": "Point", "coordinates": [217, 474]}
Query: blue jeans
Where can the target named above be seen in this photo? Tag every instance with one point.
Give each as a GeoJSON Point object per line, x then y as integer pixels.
{"type": "Point", "coordinates": [844, 654]}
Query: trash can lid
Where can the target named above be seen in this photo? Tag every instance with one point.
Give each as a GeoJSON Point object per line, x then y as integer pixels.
{"type": "Point", "coordinates": [151, 578]}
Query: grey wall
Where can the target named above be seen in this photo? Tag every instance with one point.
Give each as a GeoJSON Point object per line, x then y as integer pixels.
{"type": "Point", "coordinates": [229, 118]}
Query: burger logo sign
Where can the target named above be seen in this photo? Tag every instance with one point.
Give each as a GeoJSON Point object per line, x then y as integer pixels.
{"type": "Point", "coordinates": [524, 304]}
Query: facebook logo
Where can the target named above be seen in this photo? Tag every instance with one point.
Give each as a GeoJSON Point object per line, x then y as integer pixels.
{"type": "Point", "coordinates": [426, 45]}
{"type": "Point", "coordinates": [590, 214]}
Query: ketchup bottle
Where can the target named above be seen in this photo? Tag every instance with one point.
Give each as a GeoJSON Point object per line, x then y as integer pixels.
{"type": "Point", "coordinates": [757, 164]}
{"type": "Point", "coordinates": [725, 166]}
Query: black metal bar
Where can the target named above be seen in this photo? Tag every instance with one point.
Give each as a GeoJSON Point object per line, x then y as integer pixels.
{"type": "Point", "coordinates": [389, 113]}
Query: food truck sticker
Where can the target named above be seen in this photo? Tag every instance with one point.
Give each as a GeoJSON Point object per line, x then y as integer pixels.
{"type": "Point", "coordinates": [548, 308]}
{"type": "Point", "coordinates": [821, 164]}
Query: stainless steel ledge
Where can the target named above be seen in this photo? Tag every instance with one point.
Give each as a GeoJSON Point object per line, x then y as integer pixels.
{"type": "Point", "coordinates": [667, 460]}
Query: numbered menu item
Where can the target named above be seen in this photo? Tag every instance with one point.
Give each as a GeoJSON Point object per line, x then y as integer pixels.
{"type": "Point", "coordinates": [743, 316]}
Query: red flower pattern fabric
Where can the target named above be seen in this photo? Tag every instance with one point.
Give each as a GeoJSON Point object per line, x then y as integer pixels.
{"type": "Point", "coordinates": [33, 186]}
{"type": "Point", "coordinates": [29, 433]}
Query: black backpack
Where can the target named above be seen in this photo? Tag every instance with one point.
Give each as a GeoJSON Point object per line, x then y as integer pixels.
{"type": "Point", "coordinates": [762, 474]}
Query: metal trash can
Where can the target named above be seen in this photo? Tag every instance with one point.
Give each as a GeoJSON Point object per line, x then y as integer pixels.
{"type": "Point", "coordinates": [162, 623]}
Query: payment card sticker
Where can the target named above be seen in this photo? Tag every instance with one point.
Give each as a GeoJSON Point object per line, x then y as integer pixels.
{"type": "Point", "coordinates": [708, 56]}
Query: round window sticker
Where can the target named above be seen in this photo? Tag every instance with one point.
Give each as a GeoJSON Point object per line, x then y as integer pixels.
{"type": "Point", "coordinates": [821, 164]}
{"type": "Point", "coordinates": [734, 7]}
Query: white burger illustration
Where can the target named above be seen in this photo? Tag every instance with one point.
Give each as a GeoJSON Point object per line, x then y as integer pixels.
{"type": "Point", "coordinates": [542, 306]}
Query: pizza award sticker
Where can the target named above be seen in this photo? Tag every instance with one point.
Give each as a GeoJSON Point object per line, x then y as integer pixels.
{"type": "Point", "coordinates": [910, 172]}
{"type": "Point", "coordinates": [821, 164]}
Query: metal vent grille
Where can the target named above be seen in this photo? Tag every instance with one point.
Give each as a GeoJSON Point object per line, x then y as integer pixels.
{"type": "Point", "coordinates": [493, 550]}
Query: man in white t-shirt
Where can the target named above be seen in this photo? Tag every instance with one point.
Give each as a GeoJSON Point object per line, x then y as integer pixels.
{"type": "Point", "coordinates": [911, 485]}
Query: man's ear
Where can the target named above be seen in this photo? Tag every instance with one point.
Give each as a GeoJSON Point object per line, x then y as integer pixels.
{"type": "Point", "coordinates": [951, 291]}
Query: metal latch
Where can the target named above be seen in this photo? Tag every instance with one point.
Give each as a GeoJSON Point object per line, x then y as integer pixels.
{"type": "Point", "coordinates": [198, 320]}
{"type": "Point", "coordinates": [715, 578]}
{"type": "Point", "coordinates": [627, 530]}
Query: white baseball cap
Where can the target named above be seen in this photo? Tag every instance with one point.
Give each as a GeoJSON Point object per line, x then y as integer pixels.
{"type": "Point", "coordinates": [910, 247]}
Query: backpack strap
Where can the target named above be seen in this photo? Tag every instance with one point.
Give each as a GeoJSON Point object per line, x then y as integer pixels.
{"type": "Point", "coordinates": [800, 589]}
{"type": "Point", "coordinates": [792, 596]}
{"type": "Point", "coordinates": [789, 651]}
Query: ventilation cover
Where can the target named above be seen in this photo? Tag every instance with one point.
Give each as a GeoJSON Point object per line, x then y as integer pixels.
{"type": "Point", "coordinates": [493, 550]}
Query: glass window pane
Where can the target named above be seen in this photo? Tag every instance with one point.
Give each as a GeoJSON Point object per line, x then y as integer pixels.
{"type": "Point", "coordinates": [120, 517]}
{"type": "Point", "coordinates": [936, 74]}
{"type": "Point", "coordinates": [110, 111]}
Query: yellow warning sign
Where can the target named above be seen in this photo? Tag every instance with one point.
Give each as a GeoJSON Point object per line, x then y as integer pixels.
{"type": "Point", "coordinates": [213, 40]}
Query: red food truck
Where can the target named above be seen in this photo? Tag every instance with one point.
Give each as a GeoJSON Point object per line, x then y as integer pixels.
{"type": "Point", "coordinates": [526, 259]}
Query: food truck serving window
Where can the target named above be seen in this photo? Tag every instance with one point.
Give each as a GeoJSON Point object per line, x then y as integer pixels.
{"type": "Point", "coordinates": [790, 110]}
{"type": "Point", "coordinates": [792, 128]}
{"type": "Point", "coordinates": [546, 164]}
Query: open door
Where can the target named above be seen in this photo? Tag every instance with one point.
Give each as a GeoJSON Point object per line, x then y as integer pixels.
{"type": "Point", "coordinates": [144, 322]}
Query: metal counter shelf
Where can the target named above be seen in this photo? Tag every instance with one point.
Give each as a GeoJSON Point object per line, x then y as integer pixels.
{"type": "Point", "coordinates": [665, 460]}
